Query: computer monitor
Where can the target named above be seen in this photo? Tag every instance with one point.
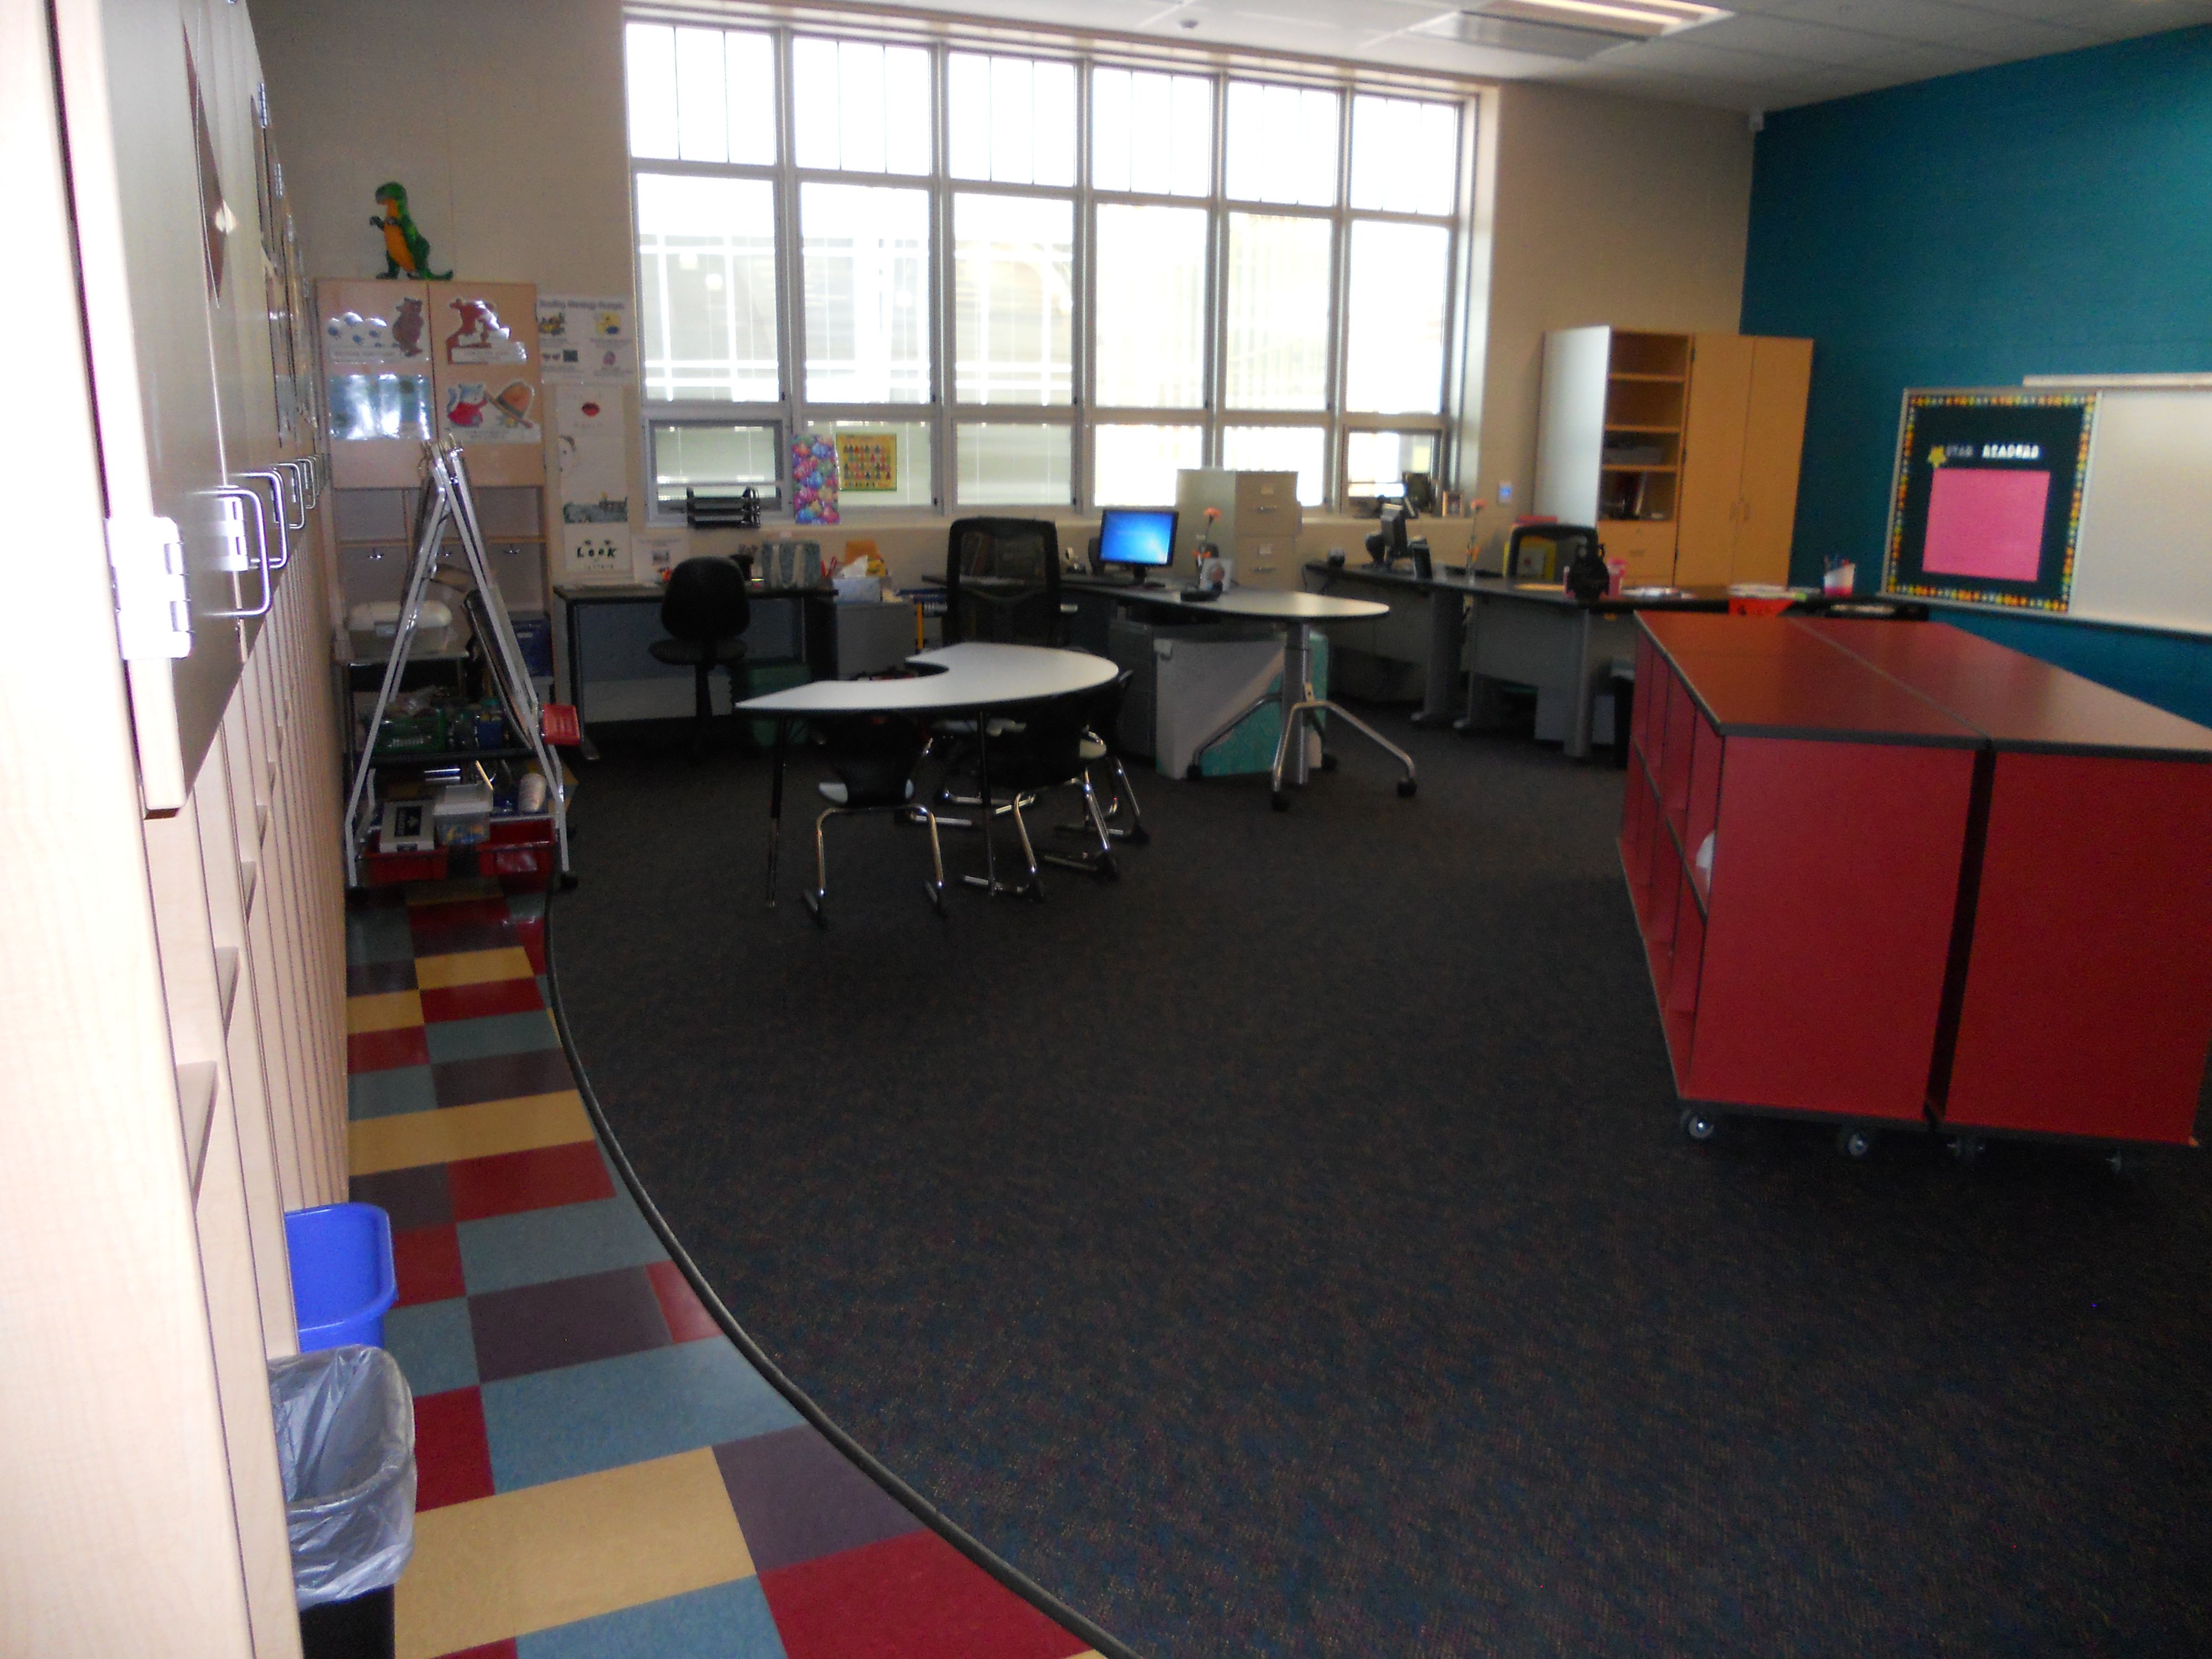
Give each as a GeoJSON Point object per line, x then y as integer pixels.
{"type": "Point", "coordinates": [1141, 539]}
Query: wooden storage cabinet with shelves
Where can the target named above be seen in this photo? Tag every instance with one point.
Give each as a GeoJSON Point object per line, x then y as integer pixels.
{"type": "Point", "coordinates": [1682, 449]}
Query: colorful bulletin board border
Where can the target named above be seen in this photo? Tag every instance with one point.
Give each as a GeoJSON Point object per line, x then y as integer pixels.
{"type": "Point", "coordinates": [1934, 420]}
{"type": "Point", "coordinates": [867, 461]}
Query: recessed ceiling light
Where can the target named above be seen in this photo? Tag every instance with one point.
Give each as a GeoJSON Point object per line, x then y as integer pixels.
{"type": "Point", "coordinates": [1569, 29]}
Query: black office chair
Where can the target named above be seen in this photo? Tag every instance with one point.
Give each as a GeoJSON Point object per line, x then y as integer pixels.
{"type": "Point", "coordinates": [706, 613]}
{"type": "Point", "coordinates": [1002, 582]}
{"type": "Point", "coordinates": [874, 757]}
{"type": "Point", "coordinates": [1542, 552]}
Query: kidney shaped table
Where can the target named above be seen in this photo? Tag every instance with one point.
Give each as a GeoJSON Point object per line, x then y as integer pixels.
{"type": "Point", "coordinates": [969, 681]}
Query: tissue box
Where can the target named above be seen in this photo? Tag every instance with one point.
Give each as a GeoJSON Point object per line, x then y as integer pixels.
{"type": "Point", "coordinates": [860, 590]}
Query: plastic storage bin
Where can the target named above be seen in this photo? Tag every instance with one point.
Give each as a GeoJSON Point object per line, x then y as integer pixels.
{"type": "Point", "coordinates": [345, 1446]}
{"type": "Point", "coordinates": [342, 1279]}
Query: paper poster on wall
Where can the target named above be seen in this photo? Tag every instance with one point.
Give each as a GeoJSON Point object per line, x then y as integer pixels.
{"type": "Point", "coordinates": [595, 553]}
{"type": "Point", "coordinates": [585, 337]}
{"type": "Point", "coordinates": [492, 412]}
{"type": "Point", "coordinates": [867, 461]}
{"type": "Point", "coordinates": [594, 452]}
{"type": "Point", "coordinates": [481, 337]}
{"type": "Point", "coordinates": [813, 479]}
{"type": "Point", "coordinates": [657, 552]}
{"type": "Point", "coordinates": [352, 338]}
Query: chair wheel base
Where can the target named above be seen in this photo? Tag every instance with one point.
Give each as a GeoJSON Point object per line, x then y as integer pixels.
{"type": "Point", "coordinates": [1192, 772]}
{"type": "Point", "coordinates": [1405, 789]}
{"type": "Point", "coordinates": [1280, 801]}
{"type": "Point", "coordinates": [1328, 761]}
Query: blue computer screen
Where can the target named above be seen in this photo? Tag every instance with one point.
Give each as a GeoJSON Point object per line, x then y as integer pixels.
{"type": "Point", "coordinates": [1131, 536]}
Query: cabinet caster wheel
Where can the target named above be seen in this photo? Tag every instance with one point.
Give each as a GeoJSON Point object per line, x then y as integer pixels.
{"type": "Point", "coordinates": [1854, 1142]}
{"type": "Point", "coordinates": [1280, 801]}
{"type": "Point", "coordinates": [1700, 1124]}
{"type": "Point", "coordinates": [1327, 763]}
{"type": "Point", "coordinates": [1968, 1149]}
{"type": "Point", "coordinates": [1405, 789]}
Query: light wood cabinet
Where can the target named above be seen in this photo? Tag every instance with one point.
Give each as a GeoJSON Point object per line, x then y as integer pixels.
{"type": "Point", "coordinates": [1682, 449]}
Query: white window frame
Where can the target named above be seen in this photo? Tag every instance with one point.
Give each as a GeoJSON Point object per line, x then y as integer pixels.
{"type": "Point", "coordinates": [793, 414]}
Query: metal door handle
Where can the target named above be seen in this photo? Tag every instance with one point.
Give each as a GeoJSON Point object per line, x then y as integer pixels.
{"type": "Point", "coordinates": [240, 493]}
{"type": "Point", "coordinates": [284, 524]}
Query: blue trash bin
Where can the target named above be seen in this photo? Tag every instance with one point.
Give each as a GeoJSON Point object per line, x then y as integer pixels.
{"type": "Point", "coordinates": [343, 1279]}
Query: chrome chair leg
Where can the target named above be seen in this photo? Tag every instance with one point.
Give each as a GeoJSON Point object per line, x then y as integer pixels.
{"type": "Point", "coordinates": [814, 900]}
{"type": "Point", "coordinates": [936, 861]}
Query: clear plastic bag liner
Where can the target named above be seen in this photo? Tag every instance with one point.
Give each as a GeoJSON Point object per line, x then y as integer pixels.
{"type": "Point", "coordinates": [345, 1440]}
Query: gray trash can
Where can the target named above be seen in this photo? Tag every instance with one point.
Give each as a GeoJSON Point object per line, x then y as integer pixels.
{"type": "Point", "coordinates": [345, 1441]}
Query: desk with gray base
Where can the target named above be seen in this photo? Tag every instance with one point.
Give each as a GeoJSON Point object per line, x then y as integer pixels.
{"type": "Point", "coordinates": [970, 681]}
{"type": "Point", "coordinates": [1446, 594]}
{"type": "Point", "coordinates": [1295, 615]}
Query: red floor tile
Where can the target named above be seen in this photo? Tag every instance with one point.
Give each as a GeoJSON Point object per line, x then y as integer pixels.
{"type": "Point", "coordinates": [453, 1458]}
{"type": "Point", "coordinates": [459, 913]}
{"type": "Point", "coordinates": [537, 1180]}
{"type": "Point", "coordinates": [914, 1597]}
{"type": "Point", "coordinates": [379, 1051]}
{"type": "Point", "coordinates": [497, 996]}
{"type": "Point", "coordinates": [687, 1318]}
{"type": "Point", "coordinates": [429, 1263]}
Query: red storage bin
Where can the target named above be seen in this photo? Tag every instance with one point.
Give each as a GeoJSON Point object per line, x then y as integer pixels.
{"type": "Point", "coordinates": [520, 852]}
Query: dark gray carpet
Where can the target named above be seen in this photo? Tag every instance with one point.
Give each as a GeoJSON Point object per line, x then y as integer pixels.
{"type": "Point", "coordinates": [1290, 1249]}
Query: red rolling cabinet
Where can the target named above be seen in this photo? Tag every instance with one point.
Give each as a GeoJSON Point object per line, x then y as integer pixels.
{"type": "Point", "coordinates": [2081, 1003]}
{"type": "Point", "coordinates": [1792, 833]}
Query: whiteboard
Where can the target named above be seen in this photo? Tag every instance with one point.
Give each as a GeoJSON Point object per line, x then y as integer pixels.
{"type": "Point", "coordinates": [2145, 552]}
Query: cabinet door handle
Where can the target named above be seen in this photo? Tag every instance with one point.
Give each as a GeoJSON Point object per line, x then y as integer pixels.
{"type": "Point", "coordinates": [283, 519]}
{"type": "Point", "coordinates": [239, 493]}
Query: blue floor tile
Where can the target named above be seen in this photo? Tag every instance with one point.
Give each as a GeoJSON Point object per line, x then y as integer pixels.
{"type": "Point", "coordinates": [492, 1034]}
{"type": "Point", "coordinates": [389, 1094]}
{"type": "Point", "coordinates": [552, 1425]}
{"type": "Point", "coordinates": [500, 1253]}
{"type": "Point", "coordinates": [433, 1344]}
{"type": "Point", "coordinates": [728, 1621]}
{"type": "Point", "coordinates": [378, 936]}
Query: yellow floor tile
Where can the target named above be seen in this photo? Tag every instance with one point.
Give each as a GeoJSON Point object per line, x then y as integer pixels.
{"type": "Point", "coordinates": [456, 1132]}
{"type": "Point", "coordinates": [547, 1555]}
{"type": "Point", "coordinates": [471, 967]}
{"type": "Point", "coordinates": [387, 1012]}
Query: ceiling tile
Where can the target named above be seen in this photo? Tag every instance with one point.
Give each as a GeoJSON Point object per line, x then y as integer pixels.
{"type": "Point", "coordinates": [1794, 39]}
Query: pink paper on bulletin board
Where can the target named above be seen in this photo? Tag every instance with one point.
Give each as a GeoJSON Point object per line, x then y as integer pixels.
{"type": "Point", "coordinates": [1985, 521]}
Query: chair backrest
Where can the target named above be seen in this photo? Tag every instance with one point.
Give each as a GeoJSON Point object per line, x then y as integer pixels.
{"type": "Point", "coordinates": [706, 601]}
{"type": "Point", "coordinates": [1541, 552]}
{"type": "Point", "coordinates": [1002, 581]}
{"type": "Point", "coordinates": [874, 754]}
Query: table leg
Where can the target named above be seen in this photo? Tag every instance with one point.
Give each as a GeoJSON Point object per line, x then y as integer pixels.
{"type": "Point", "coordinates": [775, 803]}
{"type": "Point", "coordinates": [1465, 721]}
{"type": "Point", "coordinates": [584, 746]}
{"type": "Point", "coordinates": [1443, 657]}
{"type": "Point", "coordinates": [1579, 709]}
{"type": "Point", "coordinates": [1297, 691]}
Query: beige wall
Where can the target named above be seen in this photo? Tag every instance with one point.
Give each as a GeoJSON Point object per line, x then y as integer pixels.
{"type": "Point", "coordinates": [1607, 209]}
{"type": "Point", "coordinates": [505, 124]}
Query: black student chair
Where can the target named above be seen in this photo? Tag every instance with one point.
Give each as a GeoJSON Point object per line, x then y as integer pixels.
{"type": "Point", "coordinates": [1097, 750]}
{"type": "Point", "coordinates": [1041, 749]}
{"type": "Point", "coordinates": [874, 757]}
{"type": "Point", "coordinates": [706, 613]}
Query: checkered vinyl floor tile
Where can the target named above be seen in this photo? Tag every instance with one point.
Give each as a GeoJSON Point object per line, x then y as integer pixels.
{"type": "Point", "coordinates": [601, 1471]}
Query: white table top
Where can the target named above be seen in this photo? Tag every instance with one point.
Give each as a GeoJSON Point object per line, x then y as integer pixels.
{"type": "Point", "coordinates": [1256, 602]}
{"type": "Point", "coordinates": [956, 676]}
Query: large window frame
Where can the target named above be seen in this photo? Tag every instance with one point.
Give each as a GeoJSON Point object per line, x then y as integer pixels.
{"type": "Point", "coordinates": [1083, 417]}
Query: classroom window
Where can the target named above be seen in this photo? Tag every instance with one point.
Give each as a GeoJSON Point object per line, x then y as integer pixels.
{"type": "Point", "coordinates": [1006, 464]}
{"type": "Point", "coordinates": [1013, 259]}
{"type": "Point", "coordinates": [1136, 465]}
{"type": "Point", "coordinates": [859, 107]}
{"type": "Point", "coordinates": [706, 289]}
{"type": "Point", "coordinates": [1038, 279]}
{"type": "Point", "coordinates": [1150, 266]}
{"type": "Point", "coordinates": [1152, 134]}
{"type": "Point", "coordinates": [713, 459]}
{"type": "Point", "coordinates": [1012, 120]}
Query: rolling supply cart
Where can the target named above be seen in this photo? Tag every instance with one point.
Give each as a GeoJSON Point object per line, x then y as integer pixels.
{"type": "Point", "coordinates": [1891, 875]}
{"type": "Point", "coordinates": [526, 842]}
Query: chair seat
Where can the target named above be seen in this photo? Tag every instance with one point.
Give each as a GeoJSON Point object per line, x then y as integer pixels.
{"type": "Point", "coordinates": [690, 653]}
{"type": "Point", "coordinates": [1093, 748]}
{"type": "Point", "coordinates": [836, 793]}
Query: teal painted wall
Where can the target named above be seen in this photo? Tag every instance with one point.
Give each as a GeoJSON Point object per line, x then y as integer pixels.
{"type": "Point", "coordinates": [2053, 216]}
